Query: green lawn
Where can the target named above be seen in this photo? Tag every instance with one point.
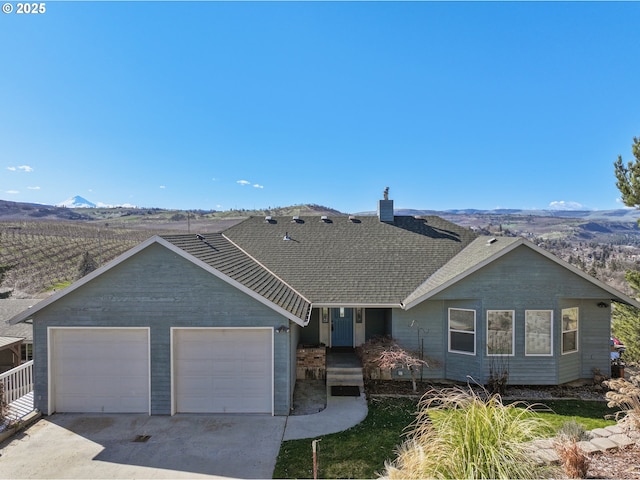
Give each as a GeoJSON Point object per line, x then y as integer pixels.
{"type": "Point", "coordinates": [361, 451]}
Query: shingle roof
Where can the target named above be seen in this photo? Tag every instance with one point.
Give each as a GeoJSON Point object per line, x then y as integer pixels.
{"type": "Point", "coordinates": [219, 253]}
{"type": "Point", "coordinates": [8, 309]}
{"type": "Point", "coordinates": [351, 261]}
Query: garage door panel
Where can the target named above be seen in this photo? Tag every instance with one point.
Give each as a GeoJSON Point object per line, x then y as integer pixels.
{"type": "Point", "coordinates": [223, 370]}
{"type": "Point", "coordinates": [100, 370]}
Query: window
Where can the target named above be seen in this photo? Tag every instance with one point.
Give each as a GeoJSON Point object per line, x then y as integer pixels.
{"type": "Point", "coordinates": [500, 332]}
{"type": "Point", "coordinates": [538, 336]}
{"type": "Point", "coordinates": [569, 330]}
{"type": "Point", "coordinates": [27, 352]}
{"type": "Point", "coordinates": [462, 331]}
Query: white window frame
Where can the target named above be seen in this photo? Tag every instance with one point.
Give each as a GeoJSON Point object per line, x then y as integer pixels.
{"type": "Point", "coordinates": [467, 332]}
{"type": "Point", "coordinates": [526, 343]}
{"type": "Point", "coordinates": [566, 331]}
{"type": "Point", "coordinates": [513, 334]}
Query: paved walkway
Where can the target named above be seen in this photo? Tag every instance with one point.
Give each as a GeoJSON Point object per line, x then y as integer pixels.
{"type": "Point", "coordinates": [340, 414]}
{"type": "Point", "coordinates": [602, 439]}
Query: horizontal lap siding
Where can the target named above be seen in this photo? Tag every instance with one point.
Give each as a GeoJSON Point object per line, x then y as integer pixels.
{"type": "Point", "coordinates": [427, 330]}
{"type": "Point", "coordinates": [521, 280]}
{"type": "Point", "coordinates": [160, 289]}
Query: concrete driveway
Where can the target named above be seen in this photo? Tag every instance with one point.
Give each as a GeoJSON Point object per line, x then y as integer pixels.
{"type": "Point", "coordinates": [182, 446]}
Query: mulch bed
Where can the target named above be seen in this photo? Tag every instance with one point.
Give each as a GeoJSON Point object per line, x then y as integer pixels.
{"type": "Point", "coordinates": [404, 388]}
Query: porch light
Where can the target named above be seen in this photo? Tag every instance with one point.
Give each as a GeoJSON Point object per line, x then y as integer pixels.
{"type": "Point", "coordinates": [282, 329]}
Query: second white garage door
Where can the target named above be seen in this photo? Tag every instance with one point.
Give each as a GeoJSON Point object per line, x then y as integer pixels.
{"type": "Point", "coordinates": [223, 370]}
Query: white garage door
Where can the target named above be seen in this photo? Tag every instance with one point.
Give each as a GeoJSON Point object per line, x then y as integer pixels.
{"type": "Point", "coordinates": [223, 370]}
{"type": "Point", "coordinates": [100, 370]}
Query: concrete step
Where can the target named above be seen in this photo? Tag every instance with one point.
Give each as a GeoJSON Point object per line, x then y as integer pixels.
{"type": "Point", "coordinates": [345, 376]}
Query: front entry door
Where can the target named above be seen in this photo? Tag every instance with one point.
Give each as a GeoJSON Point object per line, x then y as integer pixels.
{"type": "Point", "coordinates": [342, 327]}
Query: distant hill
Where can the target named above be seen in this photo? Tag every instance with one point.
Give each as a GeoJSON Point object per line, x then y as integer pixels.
{"type": "Point", "coordinates": [44, 243]}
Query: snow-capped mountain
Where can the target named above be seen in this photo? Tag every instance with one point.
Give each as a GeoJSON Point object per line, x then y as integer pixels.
{"type": "Point", "coordinates": [76, 202]}
{"type": "Point", "coordinates": [81, 202]}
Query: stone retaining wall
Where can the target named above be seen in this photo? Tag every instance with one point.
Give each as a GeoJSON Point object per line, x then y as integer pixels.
{"type": "Point", "coordinates": [311, 363]}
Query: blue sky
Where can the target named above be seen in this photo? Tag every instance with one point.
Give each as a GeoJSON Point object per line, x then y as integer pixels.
{"type": "Point", "coordinates": [219, 105]}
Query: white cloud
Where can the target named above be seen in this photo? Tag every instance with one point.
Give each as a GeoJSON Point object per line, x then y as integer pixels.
{"type": "Point", "coordinates": [23, 168]}
{"type": "Point", "coordinates": [163, 186]}
{"type": "Point", "coordinates": [564, 205]}
{"type": "Point", "coordinates": [243, 182]}
{"type": "Point", "coordinates": [12, 192]}
{"type": "Point", "coordinates": [258, 186]}
{"type": "Point", "coordinates": [33, 188]}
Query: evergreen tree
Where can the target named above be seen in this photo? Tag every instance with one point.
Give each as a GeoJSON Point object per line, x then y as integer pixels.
{"type": "Point", "coordinates": [3, 270]}
{"type": "Point", "coordinates": [87, 265]}
{"type": "Point", "coordinates": [626, 319]}
{"type": "Point", "coordinates": [629, 177]}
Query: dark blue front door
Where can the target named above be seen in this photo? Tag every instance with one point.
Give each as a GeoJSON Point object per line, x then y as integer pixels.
{"type": "Point", "coordinates": [342, 327]}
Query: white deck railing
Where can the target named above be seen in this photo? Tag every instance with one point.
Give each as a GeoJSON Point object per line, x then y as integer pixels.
{"type": "Point", "coordinates": [18, 381]}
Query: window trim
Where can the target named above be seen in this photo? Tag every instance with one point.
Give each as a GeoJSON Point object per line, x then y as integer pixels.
{"type": "Point", "coordinates": [450, 330]}
{"type": "Point", "coordinates": [550, 354]}
{"type": "Point", "coordinates": [567, 352]}
{"type": "Point", "coordinates": [513, 334]}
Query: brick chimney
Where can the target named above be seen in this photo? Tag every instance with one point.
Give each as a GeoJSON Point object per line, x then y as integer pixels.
{"type": "Point", "coordinates": [385, 208]}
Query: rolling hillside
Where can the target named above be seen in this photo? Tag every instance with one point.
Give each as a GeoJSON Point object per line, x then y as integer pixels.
{"type": "Point", "coordinates": [44, 245]}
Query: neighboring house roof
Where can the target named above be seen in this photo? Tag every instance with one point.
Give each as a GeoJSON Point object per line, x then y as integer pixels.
{"type": "Point", "coordinates": [9, 341]}
{"type": "Point", "coordinates": [351, 261]}
{"type": "Point", "coordinates": [11, 307]}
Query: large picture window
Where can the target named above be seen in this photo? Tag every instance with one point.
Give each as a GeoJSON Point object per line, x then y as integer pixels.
{"type": "Point", "coordinates": [569, 330]}
{"type": "Point", "coordinates": [500, 332]}
{"type": "Point", "coordinates": [462, 331]}
{"type": "Point", "coordinates": [538, 328]}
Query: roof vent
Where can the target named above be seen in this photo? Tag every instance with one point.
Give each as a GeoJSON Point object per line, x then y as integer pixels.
{"type": "Point", "coordinates": [492, 240]}
{"type": "Point", "coordinates": [296, 219]}
{"type": "Point", "coordinates": [286, 237]}
{"type": "Point", "coordinates": [324, 218]}
{"type": "Point", "coordinates": [269, 219]}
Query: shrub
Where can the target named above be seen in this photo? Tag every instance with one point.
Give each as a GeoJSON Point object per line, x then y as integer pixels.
{"type": "Point", "coordinates": [458, 434]}
{"type": "Point", "coordinates": [386, 354]}
{"type": "Point", "coordinates": [574, 461]}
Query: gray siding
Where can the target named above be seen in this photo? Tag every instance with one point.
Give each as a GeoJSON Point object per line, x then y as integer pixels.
{"type": "Point", "coordinates": [159, 289]}
{"type": "Point", "coordinates": [521, 280]}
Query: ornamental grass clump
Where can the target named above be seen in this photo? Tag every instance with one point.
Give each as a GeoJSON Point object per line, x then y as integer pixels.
{"type": "Point", "coordinates": [625, 395]}
{"type": "Point", "coordinates": [459, 434]}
